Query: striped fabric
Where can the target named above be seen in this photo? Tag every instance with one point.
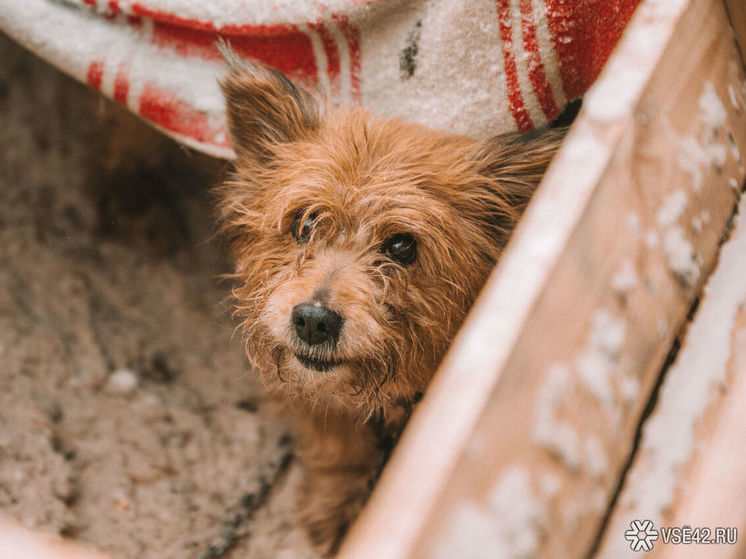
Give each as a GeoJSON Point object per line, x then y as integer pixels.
{"type": "Point", "coordinates": [475, 68]}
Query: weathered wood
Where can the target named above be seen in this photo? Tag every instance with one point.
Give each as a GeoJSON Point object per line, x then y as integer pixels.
{"type": "Point", "coordinates": [737, 13]}
{"type": "Point", "coordinates": [689, 469]}
{"type": "Point", "coordinates": [18, 542]}
{"type": "Point", "coordinates": [523, 435]}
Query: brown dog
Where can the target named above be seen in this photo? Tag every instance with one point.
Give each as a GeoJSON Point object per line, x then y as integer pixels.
{"type": "Point", "coordinates": [359, 246]}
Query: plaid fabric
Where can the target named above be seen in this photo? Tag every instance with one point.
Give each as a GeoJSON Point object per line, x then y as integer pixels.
{"type": "Point", "coordinates": [475, 68]}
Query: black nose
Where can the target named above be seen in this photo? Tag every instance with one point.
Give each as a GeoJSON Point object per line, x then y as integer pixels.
{"type": "Point", "coordinates": [316, 324]}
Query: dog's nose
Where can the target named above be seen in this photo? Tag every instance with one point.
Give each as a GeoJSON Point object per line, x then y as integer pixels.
{"type": "Point", "coordinates": [316, 324]}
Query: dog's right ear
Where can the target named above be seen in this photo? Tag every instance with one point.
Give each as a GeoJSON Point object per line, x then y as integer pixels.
{"type": "Point", "coordinates": [264, 109]}
{"type": "Point", "coordinates": [512, 165]}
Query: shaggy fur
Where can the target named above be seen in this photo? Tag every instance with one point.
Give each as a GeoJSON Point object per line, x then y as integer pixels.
{"type": "Point", "coordinates": [313, 209]}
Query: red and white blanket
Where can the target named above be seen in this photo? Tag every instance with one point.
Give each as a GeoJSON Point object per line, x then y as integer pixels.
{"type": "Point", "coordinates": [477, 68]}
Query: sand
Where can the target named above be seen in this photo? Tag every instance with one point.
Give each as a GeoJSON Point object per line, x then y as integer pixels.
{"type": "Point", "coordinates": [128, 416]}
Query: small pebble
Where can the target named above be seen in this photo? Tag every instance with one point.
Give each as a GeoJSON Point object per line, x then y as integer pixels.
{"type": "Point", "coordinates": [122, 381]}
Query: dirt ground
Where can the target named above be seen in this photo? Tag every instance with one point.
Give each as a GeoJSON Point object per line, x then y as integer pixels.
{"type": "Point", "coordinates": [128, 417]}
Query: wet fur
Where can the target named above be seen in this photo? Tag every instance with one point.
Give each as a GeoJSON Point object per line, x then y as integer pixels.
{"type": "Point", "coordinates": [366, 179]}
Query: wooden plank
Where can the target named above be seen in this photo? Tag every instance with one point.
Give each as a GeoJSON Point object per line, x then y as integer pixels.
{"type": "Point", "coordinates": [689, 469]}
{"type": "Point", "coordinates": [17, 541]}
{"type": "Point", "coordinates": [737, 13]}
{"type": "Point", "coordinates": [521, 439]}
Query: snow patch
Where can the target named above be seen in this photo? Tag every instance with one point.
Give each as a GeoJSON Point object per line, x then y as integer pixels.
{"type": "Point", "coordinates": [679, 253]}
{"type": "Point", "coordinates": [697, 224]}
{"type": "Point", "coordinates": [555, 435]}
{"type": "Point", "coordinates": [594, 366]}
{"type": "Point", "coordinates": [625, 278]}
{"type": "Point", "coordinates": [681, 257]}
{"type": "Point", "coordinates": [713, 110]}
{"type": "Point", "coordinates": [629, 387]}
{"type": "Point", "coordinates": [695, 155]}
{"type": "Point", "coordinates": [672, 208]}
{"type": "Point", "coordinates": [511, 523]}
{"type": "Point", "coordinates": [732, 95]}
{"type": "Point", "coordinates": [596, 363]}
{"type": "Point", "coordinates": [651, 239]}
{"type": "Point", "coordinates": [699, 370]}
{"type": "Point", "coordinates": [613, 96]}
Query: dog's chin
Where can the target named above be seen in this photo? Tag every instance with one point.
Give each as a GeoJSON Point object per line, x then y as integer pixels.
{"type": "Point", "coordinates": [318, 365]}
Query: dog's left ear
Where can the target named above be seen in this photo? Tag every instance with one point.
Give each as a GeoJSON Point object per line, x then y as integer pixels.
{"type": "Point", "coordinates": [514, 164]}
{"type": "Point", "coordinates": [264, 109]}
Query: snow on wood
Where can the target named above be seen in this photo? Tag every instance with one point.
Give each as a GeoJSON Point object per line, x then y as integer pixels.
{"type": "Point", "coordinates": [625, 279]}
{"type": "Point", "coordinates": [510, 524]}
{"type": "Point", "coordinates": [677, 444]}
{"type": "Point", "coordinates": [681, 257]}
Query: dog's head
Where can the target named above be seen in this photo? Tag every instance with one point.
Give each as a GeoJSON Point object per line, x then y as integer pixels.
{"type": "Point", "coordinates": [360, 243]}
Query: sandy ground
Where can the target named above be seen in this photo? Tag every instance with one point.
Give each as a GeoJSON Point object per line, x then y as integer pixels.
{"type": "Point", "coordinates": [128, 418]}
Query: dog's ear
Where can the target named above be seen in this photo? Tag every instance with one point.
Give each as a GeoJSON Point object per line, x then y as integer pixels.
{"type": "Point", "coordinates": [518, 161]}
{"type": "Point", "coordinates": [264, 109]}
{"type": "Point", "coordinates": [514, 164]}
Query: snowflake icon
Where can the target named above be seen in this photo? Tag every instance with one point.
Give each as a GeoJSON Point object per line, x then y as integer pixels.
{"type": "Point", "coordinates": [641, 535]}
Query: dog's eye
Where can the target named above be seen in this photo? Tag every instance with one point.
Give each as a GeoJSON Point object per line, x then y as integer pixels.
{"type": "Point", "coordinates": [401, 247]}
{"type": "Point", "coordinates": [302, 228]}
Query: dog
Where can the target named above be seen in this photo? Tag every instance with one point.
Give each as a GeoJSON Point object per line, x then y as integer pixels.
{"type": "Point", "coordinates": [359, 244]}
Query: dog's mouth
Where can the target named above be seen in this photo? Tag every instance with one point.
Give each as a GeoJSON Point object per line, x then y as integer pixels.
{"type": "Point", "coordinates": [320, 365]}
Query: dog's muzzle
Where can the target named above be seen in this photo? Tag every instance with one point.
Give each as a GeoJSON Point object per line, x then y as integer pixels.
{"type": "Point", "coordinates": [316, 324]}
